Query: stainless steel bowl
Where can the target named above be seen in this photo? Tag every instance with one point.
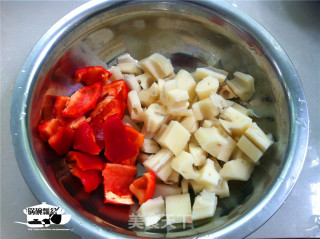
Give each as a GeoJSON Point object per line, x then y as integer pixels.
{"type": "Point", "coordinates": [191, 33]}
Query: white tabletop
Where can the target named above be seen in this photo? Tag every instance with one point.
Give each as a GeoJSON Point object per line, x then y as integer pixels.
{"type": "Point", "coordinates": [295, 25]}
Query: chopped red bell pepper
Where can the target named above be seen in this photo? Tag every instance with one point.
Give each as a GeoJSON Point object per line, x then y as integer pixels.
{"type": "Point", "coordinates": [90, 179]}
{"type": "Point", "coordinates": [117, 89]}
{"type": "Point", "coordinates": [117, 179]}
{"type": "Point", "coordinates": [48, 128]}
{"type": "Point", "coordinates": [84, 161]}
{"type": "Point", "coordinates": [118, 147]}
{"type": "Point", "coordinates": [137, 139]}
{"type": "Point", "coordinates": [59, 106]}
{"type": "Point", "coordinates": [84, 140]}
{"type": "Point", "coordinates": [62, 140]}
{"type": "Point", "coordinates": [143, 188]}
{"type": "Point", "coordinates": [97, 128]}
{"type": "Point", "coordinates": [135, 136]}
{"type": "Point", "coordinates": [74, 123]}
{"type": "Point", "coordinates": [107, 107]}
{"type": "Point", "coordinates": [83, 100]}
{"type": "Point", "coordinates": [92, 74]}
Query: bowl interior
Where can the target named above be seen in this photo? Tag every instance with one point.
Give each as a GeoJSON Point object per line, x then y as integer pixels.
{"type": "Point", "coordinates": [190, 37]}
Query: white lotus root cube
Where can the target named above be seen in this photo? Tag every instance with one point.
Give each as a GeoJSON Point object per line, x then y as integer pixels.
{"type": "Point", "coordinates": [145, 80]}
{"type": "Point", "coordinates": [236, 123]}
{"type": "Point", "coordinates": [196, 186]}
{"type": "Point", "coordinates": [242, 85]}
{"type": "Point", "coordinates": [198, 154]}
{"type": "Point", "coordinates": [205, 109]}
{"type": "Point", "coordinates": [237, 169]}
{"type": "Point", "coordinates": [216, 164]}
{"type": "Point", "coordinates": [132, 82]}
{"type": "Point", "coordinates": [243, 110]}
{"type": "Point", "coordinates": [181, 111]}
{"type": "Point", "coordinates": [164, 88]}
{"type": "Point", "coordinates": [126, 58]}
{"type": "Point", "coordinates": [206, 86]}
{"type": "Point", "coordinates": [177, 99]}
{"type": "Point", "coordinates": [175, 137]}
{"type": "Point", "coordinates": [160, 164]}
{"type": "Point", "coordinates": [152, 211]}
{"type": "Point", "coordinates": [129, 68]}
{"type": "Point", "coordinates": [226, 92]}
{"type": "Point", "coordinates": [157, 65]}
{"type": "Point", "coordinates": [150, 146]}
{"type": "Point", "coordinates": [221, 190]}
{"type": "Point", "coordinates": [115, 74]}
{"type": "Point", "coordinates": [160, 132]}
{"type": "Point", "coordinates": [220, 102]}
{"type": "Point", "coordinates": [204, 72]}
{"type": "Point", "coordinates": [227, 149]}
{"type": "Point", "coordinates": [149, 96]}
{"type": "Point", "coordinates": [190, 123]}
{"type": "Point", "coordinates": [249, 149]}
{"type": "Point", "coordinates": [239, 154]}
{"type": "Point", "coordinates": [211, 140]}
{"type": "Point", "coordinates": [163, 190]}
{"type": "Point", "coordinates": [207, 124]}
{"type": "Point", "coordinates": [143, 157]}
{"type": "Point", "coordinates": [183, 164]}
{"type": "Point", "coordinates": [184, 186]}
{"type": "Point", "coordinates": [186, 82]}
{"type": "Point", "coordinates": [174, 178]}
{"type": "Point", "coordinates": [154, 117]}
{"type": "Point", "coordinates": [134, 106]}
{"type": "Point", "coordinates": [208, 174]}
{"type": "Point", "coordinates": [258, 137]}
{"type": "Point", "coordinates": [144, 130]}
{"type": "Point", "coordinates": [178, 208]}
{"type": "Point", "coordinates": [204, 205]}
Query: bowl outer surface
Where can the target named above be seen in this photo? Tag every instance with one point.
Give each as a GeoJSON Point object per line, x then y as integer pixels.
{"type": "Point", "coordinates": [252, 220]}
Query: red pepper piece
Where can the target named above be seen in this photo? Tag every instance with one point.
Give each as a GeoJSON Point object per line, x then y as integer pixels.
{"type": "Point", "coordinates": [115, 88]}
{"type": "Point", "coordinates": [62, 140]}
{"type": "Point", "coordinates": [74, 123]}
{"type": "Point", "coordinates": [48, 128]}
{"type": "Point", "coordinates": [84, 161]}
{"type": "Point", "coordinates": [92, 74]}
{"type": "Point", "coordinates": [97, 129]}
{"type": "Point", "coordinates": [137, 139]}
{"type": "Point", "coordinates": [117, 179]}
{"type": "Point", "coordinates": [90, 179]}
{"type": "Point", "coordinates": [107, 107]}
{"type": "Point", "coordinates": [84, 140]}
{"type": "Point", "coordinates": [135, 136]}
{"type": "Point", "coordinates": [112, 108]}
{"type": "Point", "coordinates": [117, 144]}
{"type": "Point", "coordinates": [143, 188]}
{"type": "Point", "coordinates": [59, 106]}
{"type": "Point", "coordinates": [83, 100]}
{"type": "Point", "coordinates": [119, 90]}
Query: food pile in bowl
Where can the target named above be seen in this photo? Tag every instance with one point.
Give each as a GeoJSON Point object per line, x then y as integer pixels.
{"type": "Point", "coordinates": [188, 131]}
